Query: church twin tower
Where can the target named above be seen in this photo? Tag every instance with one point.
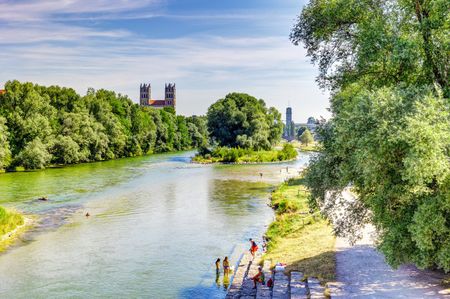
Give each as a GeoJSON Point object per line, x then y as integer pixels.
{"type": "Point", "coordinates": [170, 96]}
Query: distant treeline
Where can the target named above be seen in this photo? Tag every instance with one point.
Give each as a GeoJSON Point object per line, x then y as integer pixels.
{"type": "Point", "coordinates": [40, 126]}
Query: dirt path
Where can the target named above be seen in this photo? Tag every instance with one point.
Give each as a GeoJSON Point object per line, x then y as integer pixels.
{"type": "Point", "coordinates": [363, 273]}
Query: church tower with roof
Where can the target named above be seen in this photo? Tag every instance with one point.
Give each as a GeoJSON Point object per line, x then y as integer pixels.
{"type": "Point", "coordinates": [170, 95]}
{"type": "Point", "coordinates": [145, 94]}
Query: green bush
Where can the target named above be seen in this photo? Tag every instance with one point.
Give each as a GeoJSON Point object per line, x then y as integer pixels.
{"type": "Point", "coordinates": [9, 220]}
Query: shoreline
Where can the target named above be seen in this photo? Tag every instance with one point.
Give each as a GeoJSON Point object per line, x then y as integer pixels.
{"type": "Point", "coordinates": [9, 238]}
{"type": "Point", "coordinates": [242, 163]}
{"type": "Point", "coordinates": [20, 169]}
{"type": "Point", "coordinates": [301, 239]}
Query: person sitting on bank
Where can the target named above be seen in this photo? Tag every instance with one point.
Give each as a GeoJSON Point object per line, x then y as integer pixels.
{"type": "Point", "coordinates": [226, 265]}
{"type": "Point", "coordinates": [217, 264]}
{"type": "Point", "coordinates": [259, 277]}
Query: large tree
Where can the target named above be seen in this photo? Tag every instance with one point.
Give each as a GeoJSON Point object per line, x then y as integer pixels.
{"type": "Point", "coordinates": [240, 120]}
{"type": "Point", "coordinates": [386, 64]}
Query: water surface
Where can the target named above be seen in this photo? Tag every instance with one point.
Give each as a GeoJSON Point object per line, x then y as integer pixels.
{"type": "Point", "coordinates": [157, 225]}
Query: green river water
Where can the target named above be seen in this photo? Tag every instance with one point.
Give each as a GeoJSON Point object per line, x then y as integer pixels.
{"type": "Point", "coordinates": [157, 225]}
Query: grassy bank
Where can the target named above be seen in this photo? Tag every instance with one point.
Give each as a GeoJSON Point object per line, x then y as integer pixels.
{"type": "Point", "coordinates": [299, 237]}
{"type": "Point", "coordinates": [312, 147]}
{"type": "Point", "coordinates": [240, 155]}
{"type": "Point", "coordinates": [10, 223]}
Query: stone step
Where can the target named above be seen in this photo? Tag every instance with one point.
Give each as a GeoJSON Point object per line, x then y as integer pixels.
{"type": "Point", "coordinates": [247, 285]}
{"type": "Point", "coordinates": [281, 286]}
{"type": "Point", "coordinates": [316, 291]}
{"type": "Point", "coordinates": [263, 290]}
{"type": "Point", "coordinates": [297, 287]}
{"type": "Point", "coordinates": [239, 275]}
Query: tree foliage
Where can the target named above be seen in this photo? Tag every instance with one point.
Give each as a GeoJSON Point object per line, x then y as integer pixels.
{"type": "Point", "coordinates": [44, 125]}
{"type": "Point", "coordinates": [240, 120]}
{"type": "Point", "coordinates": [386, 63]}
{"type": "Point", "coordinates": [306, 137]}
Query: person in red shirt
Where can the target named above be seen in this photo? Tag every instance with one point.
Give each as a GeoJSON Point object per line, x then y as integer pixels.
{"type": "Point", "coordinates": [259, 277]}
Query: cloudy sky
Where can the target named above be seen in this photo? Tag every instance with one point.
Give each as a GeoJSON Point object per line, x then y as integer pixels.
{"type": "Point", "coordinates": [207, 47]}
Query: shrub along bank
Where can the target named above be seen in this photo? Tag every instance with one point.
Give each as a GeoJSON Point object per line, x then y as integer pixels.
{"type": "Point", "coordinates": [300, 237]}
{"type": "Point", "coordinates": [241, 155]}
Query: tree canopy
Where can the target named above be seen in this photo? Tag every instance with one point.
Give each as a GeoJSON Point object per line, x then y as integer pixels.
{"type": "Point", "coordinates": [306, 137]}
{"type": "Point", "coordinates": [386, 63]}
{"type": "Point", "coordinates": [53, 125]}
{"type": "Point", "coordinates": [240, 120]}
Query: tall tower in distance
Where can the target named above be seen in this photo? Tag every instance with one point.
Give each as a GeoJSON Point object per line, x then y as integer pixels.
{"type": "Point", "coordinates": [289, 129]}
{"type": "Point", "coordinates": [145, 94]}
{"type": "Point", "coordinates": [170, 97]}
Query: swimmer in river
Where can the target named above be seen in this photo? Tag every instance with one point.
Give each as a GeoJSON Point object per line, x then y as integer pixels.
{"type": "Point", "coordinates": [87, 214]}
{"type": "Point", "coordinates": [261, 174]}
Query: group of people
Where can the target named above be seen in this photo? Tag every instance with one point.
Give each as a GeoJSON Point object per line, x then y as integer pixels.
{"type": "Point", "coordinates": [226, 265]}
{"type": "Point", "coordinates": [258, 278]}
{"type": "Point", "coordinates": [226, 272]}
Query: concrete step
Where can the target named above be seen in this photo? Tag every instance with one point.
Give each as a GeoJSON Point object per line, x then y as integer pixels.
{"type": "Point", "coordinates": [247, 285]}
{"type": "Point", "coordinates": [316, 291]}
{"type": "Point", "coordinates": [297, 287]}
{"type": "Point", "coordinates": [264, 291]}
{"type": "Point", "coordinates": [238, 278]}
{"type": "Point", "coordinates": [281, 286]}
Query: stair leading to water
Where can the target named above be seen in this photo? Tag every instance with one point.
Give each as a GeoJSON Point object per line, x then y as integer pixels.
{"type": "Point", "coordinates": [294, 286]}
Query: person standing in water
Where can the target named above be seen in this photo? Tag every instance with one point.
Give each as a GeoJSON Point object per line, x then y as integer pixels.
{"type": "Point", "coordinates": [218, 265]}
{"type": "Point", "coordinates": [226, 266]}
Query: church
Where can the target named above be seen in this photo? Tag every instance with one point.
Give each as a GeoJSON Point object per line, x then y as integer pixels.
{"type": "Point", "coordinates": [170, 96]}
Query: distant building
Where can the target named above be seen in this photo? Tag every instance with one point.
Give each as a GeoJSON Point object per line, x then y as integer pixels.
{"type": "Point", "coordinates": [311, 124]}
{"type": "Point", "coordinates": [170, 96]}
{"type": "Point", "coordinates": [289, 129]}
{"type": "Point", "coordinates": [2, 91]}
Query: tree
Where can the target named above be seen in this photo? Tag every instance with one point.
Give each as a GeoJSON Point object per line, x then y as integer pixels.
{"type": "Point", "coordinates": [306, 138]}
{"type": "Point", "coordinates": [65, 150]}
{"type": "Point", "coordinates": [300, 131]}
{"type": "Point", "coordinates": [240, 120]}
{"type": "Point", "coordinates": [386, 65]}
{"type": "Point", "coordinates": [376, 42]}
{"type": "Point", "coordinates": [34, 155]}
{"type": "Point", "coordinates": [5, 153]}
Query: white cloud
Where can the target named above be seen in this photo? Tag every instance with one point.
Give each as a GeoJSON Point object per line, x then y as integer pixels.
{"type": "Point", "coordinates": [204, 67]}
{"type": "Point", "coordinates": [39, 10]}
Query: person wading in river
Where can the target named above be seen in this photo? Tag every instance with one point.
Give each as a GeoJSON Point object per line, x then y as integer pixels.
{"type": "Point", "coordinates": [218, 265]}
{"type": "Point", "coordinates": [226, 266]}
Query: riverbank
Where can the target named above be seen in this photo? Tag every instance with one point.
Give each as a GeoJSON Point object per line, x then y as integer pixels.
{"type": "Point", "coordinates": [301, 238]}
{"type": "Point", "coordinates": [312, 147]}
{"type": "Point", "coordinates": [245, 156]}
{"type": "Point", "coordinates": [12, 225]}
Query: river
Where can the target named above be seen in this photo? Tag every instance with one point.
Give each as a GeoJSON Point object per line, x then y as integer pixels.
{"type": "Point", "coordinates": [157, 225]}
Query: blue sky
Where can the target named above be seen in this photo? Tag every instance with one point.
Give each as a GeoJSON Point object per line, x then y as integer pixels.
{"type": "Point", "coordinates": [208, 48]}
